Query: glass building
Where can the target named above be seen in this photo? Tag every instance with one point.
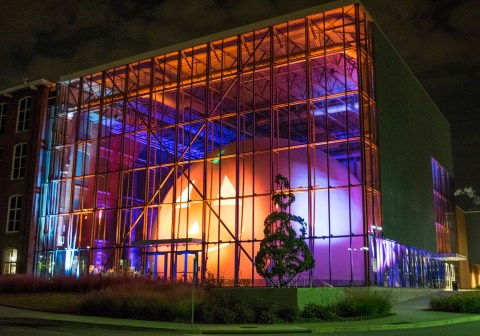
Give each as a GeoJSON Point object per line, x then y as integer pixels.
{"type": "Point", "coordinates": [165, 164]}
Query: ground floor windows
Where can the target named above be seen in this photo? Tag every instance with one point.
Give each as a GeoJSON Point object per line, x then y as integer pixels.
{"type": "Point", "coordinates": [383, 263]}
{"type": "Point", "coordinates": [396, 265]}
{"type": "Point", "coordinates": [10, 261]}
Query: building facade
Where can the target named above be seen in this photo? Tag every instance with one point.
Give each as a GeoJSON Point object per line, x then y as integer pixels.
{"type": "Point", "coordinates": [165, 162]}
{"type": "Point", "coordinates": [22, 111]}
{"type": "Point", "coordinates": [468, 226]}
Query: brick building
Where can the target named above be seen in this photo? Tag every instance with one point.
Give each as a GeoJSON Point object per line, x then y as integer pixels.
{"type": "Point", "coordinates": [22, 113]}
{"type": "Point", "coordinates": [165, 161]}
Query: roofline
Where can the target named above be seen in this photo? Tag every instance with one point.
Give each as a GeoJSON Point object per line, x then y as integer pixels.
{"type": "Point", "coordinates": [216, 36]}
{"type": "Point", "coordinates": [467, 211]}
{"type": "Point", "coordinates": [26, 85]}
{"type": "Point", "coordinates": [413, 75]}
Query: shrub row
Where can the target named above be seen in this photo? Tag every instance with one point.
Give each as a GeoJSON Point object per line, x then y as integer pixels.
{"type": "Point", "coordinates": [363, 304]}
{"type": "Point", "coordinates": [30, 284]}
{"type": "Point", "coordinates": [171, 303]}
{"type": "Point", "coordinates": [139, 298]}
{"type": "Point", "coordinates": [464, 302]}
{"type": "Point", "coordinates": [229, 309]}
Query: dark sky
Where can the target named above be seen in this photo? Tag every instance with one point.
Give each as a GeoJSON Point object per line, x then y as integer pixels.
{"type": "Point", "coordinates": [438, 39]}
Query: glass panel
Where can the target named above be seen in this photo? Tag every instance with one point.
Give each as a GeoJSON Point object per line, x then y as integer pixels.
{"type": "Point", "coordinates": [187, 145]}
{"type": "Point", "coordinates": [340, 220]}
{"type": "Point", "coordinates": [445, 225]}
{"type": "Point", "coordinates": [340, 264]}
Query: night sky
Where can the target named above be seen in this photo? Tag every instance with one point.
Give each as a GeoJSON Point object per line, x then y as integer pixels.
{"type": "Point", "coordinates": [438, 39]}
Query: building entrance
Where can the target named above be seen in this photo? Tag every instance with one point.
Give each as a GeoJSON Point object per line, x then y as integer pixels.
{"type": "Point", "coordinates": [449, 275]}
{"type": "Point", "coordinates": [181, 266]}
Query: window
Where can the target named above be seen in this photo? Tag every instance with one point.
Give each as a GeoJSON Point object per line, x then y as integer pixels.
{"type": "Point", "coordinates": [14, 212]}
{"type": "Point", "coordinates": [19, 160]}
{"type": "Point", "coordinates": [23, 117]}
{"type": "Point", "coordinates": [444, 205]}
{"type": "Point", "coordinates": [3, 117]}
{"type": "Point", "coordinates": [10, 261]}
{"type": "Point", "coordinates": [82, 166]}
{"type": "Point", "coordinates": [83, 162]}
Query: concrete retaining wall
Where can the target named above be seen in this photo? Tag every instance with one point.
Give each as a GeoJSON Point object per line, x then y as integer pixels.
{"type": "Point", "coordinates": [289, 297]}
{"type": "Point", "coordinates": [286, 296]}
{"type": "Point", "coordinates": [397, 294]}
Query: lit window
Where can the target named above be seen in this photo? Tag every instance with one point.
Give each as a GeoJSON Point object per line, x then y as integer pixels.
{"type": "Point", "coordinates": [10, 261]}
{"type": "Point", "coordinates": [82, 166]}
{"type": "Point", "coordinates": [3, 117]}
{"type": "Point", "coordinates": [83, 162]}
{"type": "Point", "coordinates": [14, 212]}
{"type": "Point", "coordinates": [23, 117]}
{"type": "Point", "coordinates": [444, 205]}
{"type": "Point", "coordinates": [19, 160]}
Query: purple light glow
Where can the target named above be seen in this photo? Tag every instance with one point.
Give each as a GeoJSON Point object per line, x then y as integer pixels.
{"type": "Point", "coordinates": [332, 211]}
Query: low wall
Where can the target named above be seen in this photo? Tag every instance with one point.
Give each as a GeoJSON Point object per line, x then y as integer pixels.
{"type": "Point", "coordinates": [397, 294]}
{"type": "Point", "coordinates": [290, 297]}
{"type": "Point", "coordinates": [287, 297]}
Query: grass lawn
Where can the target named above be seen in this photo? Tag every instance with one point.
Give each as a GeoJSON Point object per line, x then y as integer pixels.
{"type": "Point", "coordinates": [50, 302]}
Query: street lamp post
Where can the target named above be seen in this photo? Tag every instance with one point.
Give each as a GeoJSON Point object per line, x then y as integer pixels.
{"type": "Point", "coordinates": [194, 283]}
{"type": "Point", "coordinates": [375, 229]}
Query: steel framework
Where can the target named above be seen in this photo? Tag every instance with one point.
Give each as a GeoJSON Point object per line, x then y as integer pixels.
{"type": "Point", "coordinates": [183, 147]}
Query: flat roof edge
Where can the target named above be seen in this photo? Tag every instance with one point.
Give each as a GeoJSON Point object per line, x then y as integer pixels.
{"type": "Point", "coordinates": [467, 211]}
{"type": "Point", "coordinates": [26, 85]}
{"type": "Point", "coordinates": [450, 257]}
{"type": "Point", "coordinates": [215, 36]}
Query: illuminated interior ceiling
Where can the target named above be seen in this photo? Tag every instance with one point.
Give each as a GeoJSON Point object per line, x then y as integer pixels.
{"type": "Point", "coordinates": [333, 68]}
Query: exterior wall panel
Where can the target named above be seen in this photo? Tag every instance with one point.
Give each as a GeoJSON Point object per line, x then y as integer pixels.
{"type": "Point", "coordinates": [411, 132]}
{"type": "Point", "coordinates": [473, 232]}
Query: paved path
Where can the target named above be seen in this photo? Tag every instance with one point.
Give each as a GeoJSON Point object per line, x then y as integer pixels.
{"type": "Point", "coordinates": [407, 314]}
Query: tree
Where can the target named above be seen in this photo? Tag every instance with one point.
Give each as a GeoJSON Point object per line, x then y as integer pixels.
{"type": "Point", "coordinates": [283, 255]}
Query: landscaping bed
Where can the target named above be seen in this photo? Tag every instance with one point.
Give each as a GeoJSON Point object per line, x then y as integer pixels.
{"type": "Point", "coordinates": [139, 298]}
{"type": "Point", "coordinates": [462, 302]}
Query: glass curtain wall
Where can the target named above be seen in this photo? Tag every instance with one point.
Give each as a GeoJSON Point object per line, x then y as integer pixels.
{"type": "Point", "coordinates": [445, 223]}
{"type": "Point", "coordinates": [166, 165]}
{"type": "Point", "coordinates": [402, 266]}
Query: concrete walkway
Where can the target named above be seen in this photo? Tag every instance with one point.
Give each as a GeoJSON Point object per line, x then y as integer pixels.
{"type": "Point", "coordinates": [407, 314]}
